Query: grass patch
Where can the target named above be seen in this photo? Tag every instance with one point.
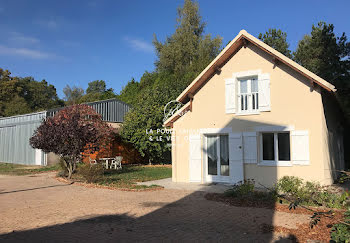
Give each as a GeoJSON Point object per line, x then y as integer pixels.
{"type": "Point", "coordinates": [128, 177]}
{"type": "Point", "coordinates": [16, 169]}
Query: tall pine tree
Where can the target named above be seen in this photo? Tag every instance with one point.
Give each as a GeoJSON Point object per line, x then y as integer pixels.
{"type": "Point", "coordinates": [328, 56]}
{"type": "Point", "coordinates": [277, 39]}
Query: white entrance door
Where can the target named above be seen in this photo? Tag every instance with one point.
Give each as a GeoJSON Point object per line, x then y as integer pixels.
{"type": "Point", "coordinates": [223, 158]}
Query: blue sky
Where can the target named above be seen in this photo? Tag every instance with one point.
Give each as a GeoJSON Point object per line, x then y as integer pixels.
{"type": "Point", "coordinates": [75, 42]}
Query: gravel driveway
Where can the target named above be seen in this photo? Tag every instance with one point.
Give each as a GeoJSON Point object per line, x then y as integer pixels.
{"type": "Point", "coordinates": [38, 208]}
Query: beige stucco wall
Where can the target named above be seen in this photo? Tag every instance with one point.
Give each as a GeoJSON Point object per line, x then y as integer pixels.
{"type": "Point", "coordinates": [293, 103]}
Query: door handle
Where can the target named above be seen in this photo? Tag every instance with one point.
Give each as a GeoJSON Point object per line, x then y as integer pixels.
{"type": "Point", "coordinates": [240, 147]}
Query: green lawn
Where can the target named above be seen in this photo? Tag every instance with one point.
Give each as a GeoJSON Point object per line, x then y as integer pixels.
{"type": "Point", "coordinates": [16, 169]}
{"type": "Point", "coordinates": [126, 178]}
{"type": "Point", "coordinates": [131, 174]}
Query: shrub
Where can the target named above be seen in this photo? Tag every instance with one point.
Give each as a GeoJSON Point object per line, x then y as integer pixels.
{"type": "Point", "coordinates": [289, 184]}
{"type": "Point", "coordinates": [241, 189]}
{"type": "Point", "coordinates": [70, 132]}
{"type": "Point", "coordinates": [91, 172]}
{"type": "Point", "coordinates": [310, 193]}
{"type": "Point", "coordinates": [341, 231]}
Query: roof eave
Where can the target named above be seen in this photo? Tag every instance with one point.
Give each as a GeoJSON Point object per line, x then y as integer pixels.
{"type": "Point", "coordinates": [176, 116]}
{"type": "Point", "coordinates": [235, 44]}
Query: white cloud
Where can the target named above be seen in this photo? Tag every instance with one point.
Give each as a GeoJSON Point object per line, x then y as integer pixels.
{"type": "Point", "coordinates": [139, 44]}
{"type": "Point", "coordinates": [22, 39]}
{"type": "Point", "coordinates": [24, 52]}
{"type": "Point", "coordinates": [50, 24]}
{"type": "Point", "coordinates": [68, 43]}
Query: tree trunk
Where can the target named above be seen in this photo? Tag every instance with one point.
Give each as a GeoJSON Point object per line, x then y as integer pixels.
{"type": "Point", "coordinates": [74, 166]}
{"type": "Point", "coordinates": [70, 170]}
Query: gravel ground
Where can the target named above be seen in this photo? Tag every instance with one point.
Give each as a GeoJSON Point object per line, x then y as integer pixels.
{"type": "Point", "coordinates": [38, 208]}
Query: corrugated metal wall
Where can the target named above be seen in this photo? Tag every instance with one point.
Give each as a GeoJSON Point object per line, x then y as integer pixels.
{"type": "Point", "coordinates": [111, 110]}
{"type": "Point", "coordinates": [14, 139]}
{"type": "Point", "coordinates": [15, 131]}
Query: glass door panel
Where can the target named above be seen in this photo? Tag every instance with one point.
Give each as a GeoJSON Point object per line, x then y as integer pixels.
{"type": "Point", "coordinates": [212, 152]}
{"type": "Point", "coordinates": [217, 158]}
{"type": "Point", "coordinates": [224, 159]}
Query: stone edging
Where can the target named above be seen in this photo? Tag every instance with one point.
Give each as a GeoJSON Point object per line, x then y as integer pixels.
{"type": "Point", "coordinates": [92, 185]}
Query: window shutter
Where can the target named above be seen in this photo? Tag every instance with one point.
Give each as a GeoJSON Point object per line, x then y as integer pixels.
{"type": "Point", "coordinates": [236, 157]}
{"type": "Point", "coordinates": [250, 147]}
{"type": "Point", "coordinates": [264, 92]}
{"type": "Point", "coordinates": [230, 95]}
{"type": "Point", "coordinates": [195, 158]}
{"type": "Point", "coordinates": [300, 147]}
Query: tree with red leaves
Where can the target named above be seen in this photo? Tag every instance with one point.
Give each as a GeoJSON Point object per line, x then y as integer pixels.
{"type": "Point", "coordinates": [70, 132]}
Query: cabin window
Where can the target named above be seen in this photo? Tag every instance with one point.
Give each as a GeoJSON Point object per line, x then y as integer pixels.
{"type": "Point", "coordinates": [248, 95]}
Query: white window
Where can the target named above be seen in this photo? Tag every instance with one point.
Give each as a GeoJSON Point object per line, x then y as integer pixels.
{"type": "Point", "coordinates": [248, 95]}
{"type": "Point", "coordinates": [275, 148]}
{"type": "Point", "coordinates": [247, 92]}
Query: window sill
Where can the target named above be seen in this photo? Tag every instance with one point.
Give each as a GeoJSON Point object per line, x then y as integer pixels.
{"type": "Point", "coordinates": [248, 113]}
{"type": "Point", "coordinates": [275, 163]}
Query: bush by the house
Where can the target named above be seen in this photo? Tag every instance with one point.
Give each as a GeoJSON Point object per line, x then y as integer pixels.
{"type": "Point", "coordinates": [311, 193]}
{"type": "Point", "coordinates": [91, 172]}
{"type": "Point", "coordinates": [245, 190]}
{"type": "Point", "coordinates": [341, 231]}
{"type": "Point", "coordinates": [241, 189]}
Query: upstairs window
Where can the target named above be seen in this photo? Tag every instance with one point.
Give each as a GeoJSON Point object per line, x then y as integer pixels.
{"type": "Point", "coordinates": [248, 95]}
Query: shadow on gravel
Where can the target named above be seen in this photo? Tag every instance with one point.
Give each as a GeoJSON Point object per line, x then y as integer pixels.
{"type": "Point", "coordinates": [191, 218]}
{"type": "Point", "coordinates": [36, 188]}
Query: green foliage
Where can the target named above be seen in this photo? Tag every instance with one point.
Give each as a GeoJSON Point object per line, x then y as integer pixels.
{"type": "Point", "coordinates": [17, 105]}
{"type": "Point", "coordinates": [96, 91]}
{"type": "Point", "coordinates": [187, 50]}
{"type": "Point", "coordinates": [148, 114]}
{"type": "Point", "coordinates": [145, 116]}
{"type": "Point", "coordinates": [277, 39]}
{"type": "Point", "coordinates": [72, 95]}
{"type": "Point", "coordinates": [97, 86]}
{"type": "Point", "coordinates": [92, 173]}
{"type": "Point", "coordinates": [310, 193]}
{"type": "Point", "coordinates": [289, 184]}
{"type": "Point", "coordinates": [130, 92]}
{"type": "Point", "coordinates": [108, 94]}
{"type": "Point", "coordinates": [341, 231]}
{"type": "Point", "coordinates": [328, 56]}
{"type": "Point", "coordinates": [241, 189]}
{"type": "Point", "coordinates": [180, 58]}
{"type": "Point", "coordinates": [39, 95]}
{"type": "Point", "coordinates": [23, 95]}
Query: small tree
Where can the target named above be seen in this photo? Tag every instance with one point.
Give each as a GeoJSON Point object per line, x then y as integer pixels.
{"type": "Point", "coordinates": [70, 132]}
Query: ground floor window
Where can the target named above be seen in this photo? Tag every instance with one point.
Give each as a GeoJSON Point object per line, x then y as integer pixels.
{"type": "Point", "coordinates": [275, 146]}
